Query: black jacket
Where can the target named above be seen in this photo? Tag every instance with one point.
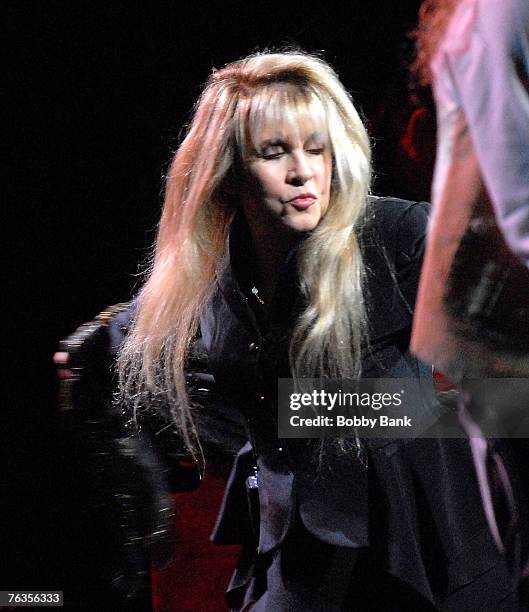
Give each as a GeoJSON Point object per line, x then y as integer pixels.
{"type": "Point", "coordinates": [246, 361]}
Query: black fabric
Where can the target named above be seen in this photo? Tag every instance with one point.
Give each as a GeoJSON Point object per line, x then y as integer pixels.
{"type": "Point", "coordinates": [310, 576]}
{"type": "Point", "coordinates": [124, 502]}
{"type": "Point", "coordinates": [417, 507]}
{"type": "Point", "coordinates": [246, 361]}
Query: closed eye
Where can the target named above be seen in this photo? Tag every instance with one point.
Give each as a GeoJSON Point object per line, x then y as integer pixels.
{"type": "Point", "coordinates": [275, 155]}
{"type": "Point", "coordinates": [272, 149]}
{"type": "Point", "coordinates": [316, 150]}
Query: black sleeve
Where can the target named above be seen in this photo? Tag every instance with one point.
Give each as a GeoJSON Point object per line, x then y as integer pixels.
{"type": "Point", "coordinates": [125, 481]}
{"type": "Point", "coordinates": [392, 241]}
{"type": "Point", "coordinates": [411, 240]}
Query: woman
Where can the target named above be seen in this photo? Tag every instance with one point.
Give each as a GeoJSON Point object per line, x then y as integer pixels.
{"type": "Point", "coordinates": [272, 261]}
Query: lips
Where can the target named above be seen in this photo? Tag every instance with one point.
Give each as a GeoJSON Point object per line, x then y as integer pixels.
{"type": "Point", "coordinates": [303, 201]}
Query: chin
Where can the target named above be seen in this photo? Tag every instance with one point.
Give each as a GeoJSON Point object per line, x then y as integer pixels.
{"type": "Point", "coordinates": [301, 222]}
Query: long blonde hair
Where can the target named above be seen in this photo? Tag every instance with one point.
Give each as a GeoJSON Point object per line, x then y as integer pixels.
{"type": "Point", "coordinates": [200, 204]}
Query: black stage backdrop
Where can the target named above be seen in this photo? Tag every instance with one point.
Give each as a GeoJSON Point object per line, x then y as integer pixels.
{"type": "Point", "coordinates": [98, 94]}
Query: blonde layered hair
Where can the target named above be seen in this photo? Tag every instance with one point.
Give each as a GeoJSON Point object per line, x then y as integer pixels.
{"type": "Point", "coordinates": [200, 203]}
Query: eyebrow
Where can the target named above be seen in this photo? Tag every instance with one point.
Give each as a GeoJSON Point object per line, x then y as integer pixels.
{"type": "Point", "coordinates": [279, 141]}
{"type": "Point", "coordinates": [272, 142]}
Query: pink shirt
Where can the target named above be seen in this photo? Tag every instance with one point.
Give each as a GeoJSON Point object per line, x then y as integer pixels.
{"type": "Point", "coordinates": [481, 71]}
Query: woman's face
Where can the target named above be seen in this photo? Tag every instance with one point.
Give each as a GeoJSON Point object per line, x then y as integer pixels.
{"type": "Point", "coordinates": [289, 178]}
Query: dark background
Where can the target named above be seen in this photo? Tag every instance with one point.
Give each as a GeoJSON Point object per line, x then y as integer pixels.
{"type": "Point", "coordinates": [98, 95]}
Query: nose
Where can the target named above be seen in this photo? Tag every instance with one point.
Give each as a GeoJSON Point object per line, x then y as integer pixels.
{"type": "Point", "coordinates": [300, 171]}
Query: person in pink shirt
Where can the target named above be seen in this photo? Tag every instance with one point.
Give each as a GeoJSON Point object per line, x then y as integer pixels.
{"type": "Point", "coordinates": [472, 314]}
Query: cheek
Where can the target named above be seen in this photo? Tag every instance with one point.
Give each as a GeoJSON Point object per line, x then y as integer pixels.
{"type": "Point", "coordinates": [261, 183]}
{"type": "Point", "coordinates": [269, 184]}
{"type": "Point", "coordinates": [262, 195]}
